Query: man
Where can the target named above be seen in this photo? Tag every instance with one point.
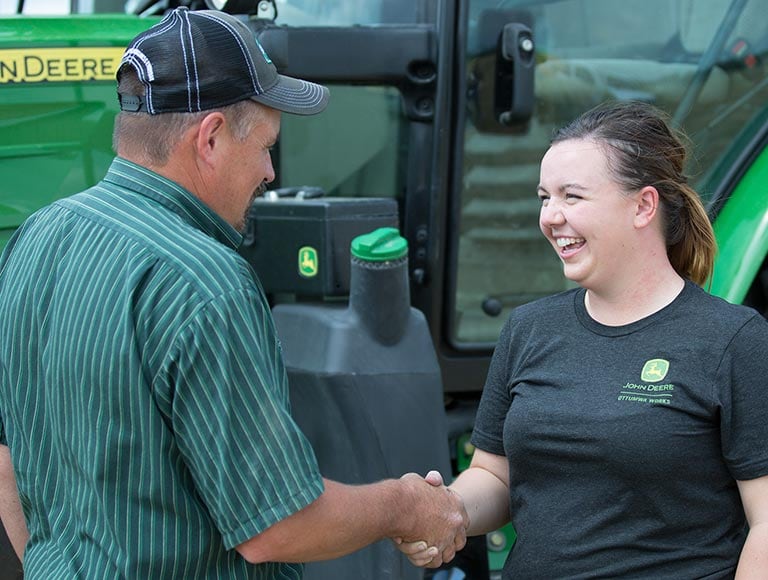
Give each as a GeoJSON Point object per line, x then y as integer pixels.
{"type": "Point", "coordinates": [143, 399]}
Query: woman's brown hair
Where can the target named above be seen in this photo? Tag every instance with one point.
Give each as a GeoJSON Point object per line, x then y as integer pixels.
{"type": "Point", "coordinates": [642, 149]}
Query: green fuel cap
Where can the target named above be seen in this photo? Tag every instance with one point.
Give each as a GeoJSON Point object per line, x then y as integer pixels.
{"type": "Point", "coordinates": [380, 245]}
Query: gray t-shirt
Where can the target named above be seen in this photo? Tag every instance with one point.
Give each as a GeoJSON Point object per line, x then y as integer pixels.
{"type": "Point", "coordinates": [625, 443]}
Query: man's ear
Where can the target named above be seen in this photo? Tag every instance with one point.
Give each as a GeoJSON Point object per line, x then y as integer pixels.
{"type": "Point", "coordinates": [208, 139]}
{"type": "Point", "coordinates": [647, 206]}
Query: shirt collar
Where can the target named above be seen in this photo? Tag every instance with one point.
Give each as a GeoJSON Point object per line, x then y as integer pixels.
{"type": "Point", "coordinates": [174, 197]}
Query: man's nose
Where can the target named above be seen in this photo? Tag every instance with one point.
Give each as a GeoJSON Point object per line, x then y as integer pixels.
{"type": "Point", "coordinates": [269, 177]}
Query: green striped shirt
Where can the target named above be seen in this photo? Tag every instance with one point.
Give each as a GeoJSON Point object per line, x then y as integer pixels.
{"type": "Point", "coordinates": [142, 390]}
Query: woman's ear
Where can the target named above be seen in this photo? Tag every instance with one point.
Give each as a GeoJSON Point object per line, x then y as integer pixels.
{"type": "Point", "coordinates": [647, 206]}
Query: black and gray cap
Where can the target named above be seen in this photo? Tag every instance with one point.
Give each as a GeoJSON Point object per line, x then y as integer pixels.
{"type": "Point", "coordinates": [195, 60]}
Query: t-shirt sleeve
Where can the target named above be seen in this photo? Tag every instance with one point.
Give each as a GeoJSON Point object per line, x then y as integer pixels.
{"type": "Point", "coordinates": [231, 416]}
{"type": "Point", "coordinates": [742, 381]}
{"type": "Point", "coordinates": [488, 433]}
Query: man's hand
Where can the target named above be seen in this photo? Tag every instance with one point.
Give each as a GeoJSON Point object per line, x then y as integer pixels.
{"type": "Point", "coordinates": [484, 491]}
{"type": "Point", "coordinates": [440, 522]}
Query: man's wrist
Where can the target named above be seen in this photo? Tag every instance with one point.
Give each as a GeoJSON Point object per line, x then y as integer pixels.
{"type": "Point", "coordinates": [399, 508]}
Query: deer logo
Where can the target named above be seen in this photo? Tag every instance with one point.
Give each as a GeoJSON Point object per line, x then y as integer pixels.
{"type": "Point", "coordinates": [654, 370]}
{"type": "Point", "coordinates": [308, 261]}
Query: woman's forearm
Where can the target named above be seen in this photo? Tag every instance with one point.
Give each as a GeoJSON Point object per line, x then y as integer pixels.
{"type": "Point", "coordinates": [753, 562]}
{"type": "Point", "coordinates": [486, 499]}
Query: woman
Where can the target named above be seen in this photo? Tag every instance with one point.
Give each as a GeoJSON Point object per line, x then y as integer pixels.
{"type": "Point", "coordinates": [623, 424]}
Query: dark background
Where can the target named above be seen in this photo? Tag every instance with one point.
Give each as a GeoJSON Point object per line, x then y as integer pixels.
{"type": "Point", "coordinates": [10, 568]}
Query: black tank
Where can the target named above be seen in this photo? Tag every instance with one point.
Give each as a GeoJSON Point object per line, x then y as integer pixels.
{"type": "Point", "coordinates": [366, 389]}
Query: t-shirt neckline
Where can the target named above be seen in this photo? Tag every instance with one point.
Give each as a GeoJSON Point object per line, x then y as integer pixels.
{"type": "Point", "coordinates": [605, 330]}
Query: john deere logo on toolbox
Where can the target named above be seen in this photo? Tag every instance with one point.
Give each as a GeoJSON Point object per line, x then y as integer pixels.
{"type": "Point", "coordinates": [308, 261]}
{"type": "Point", "coordinates": [34, 65]}
{"type": "Point", "coordinates": [654, 370]}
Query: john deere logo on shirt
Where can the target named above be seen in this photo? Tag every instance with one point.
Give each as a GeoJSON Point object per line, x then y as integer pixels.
{"type": "Point", "coordinates": [307, 261]}
{"type": "Point", "coordinates": [654, 370]}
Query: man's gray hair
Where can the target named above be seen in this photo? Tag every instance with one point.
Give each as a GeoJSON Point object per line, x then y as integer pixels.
{"type": "Point", "coordinates": [150, 139]}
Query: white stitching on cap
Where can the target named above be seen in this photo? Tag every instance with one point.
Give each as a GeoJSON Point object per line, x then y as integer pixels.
{"type": "Point", "coordinates": [168, 21]}
{"type": "Point", "coordinates": [143, 67]}
{"type": "Point", "coordinates": [243, 48]}
{"type": "Point", "coordinates": [315, 93]}
{"type": "Point", "coordinates": [185, 21]}
{"type": "Point", "coordinates": [135, 56]}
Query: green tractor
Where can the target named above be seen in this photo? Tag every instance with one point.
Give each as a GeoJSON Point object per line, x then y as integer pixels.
{"type": "Point", "coordinates": [442, 110]}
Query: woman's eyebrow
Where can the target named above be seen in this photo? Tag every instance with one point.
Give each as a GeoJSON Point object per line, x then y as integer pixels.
{"type": "Point", "coordinates": [563, 187]}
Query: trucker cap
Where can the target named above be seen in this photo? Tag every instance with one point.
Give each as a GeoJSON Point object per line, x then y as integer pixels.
{"type": "Point", "coordinates": [195, 60]}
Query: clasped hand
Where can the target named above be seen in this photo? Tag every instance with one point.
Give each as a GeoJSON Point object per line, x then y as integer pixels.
{"type": "Point", "coordinates": [440, 523]}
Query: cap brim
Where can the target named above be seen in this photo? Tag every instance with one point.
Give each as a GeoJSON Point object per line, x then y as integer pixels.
{"type": "Point", "coordinates": [295, 96]}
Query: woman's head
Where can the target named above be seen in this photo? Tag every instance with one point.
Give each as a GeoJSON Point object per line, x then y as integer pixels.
{"type": "Point", "coordinates": [642, 150]}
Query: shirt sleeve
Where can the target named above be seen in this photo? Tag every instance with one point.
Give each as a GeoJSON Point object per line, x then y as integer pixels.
{"type": "Point", "coordinates": [488, 433]}
{"type": "Point", "coordinates": [231, 416]}
{"type": "Point", "coordinates": [742, 381]}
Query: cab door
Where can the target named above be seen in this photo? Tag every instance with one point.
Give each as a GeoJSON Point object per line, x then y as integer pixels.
{"type": "Point", "coordinates": [701, 61]}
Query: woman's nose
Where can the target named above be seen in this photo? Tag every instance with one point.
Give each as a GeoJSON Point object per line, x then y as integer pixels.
{"type": "Point", "coordinates": [551, 213]}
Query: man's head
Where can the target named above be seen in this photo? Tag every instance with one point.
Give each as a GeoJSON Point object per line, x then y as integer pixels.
{"type": "Point", "coordinates": [200, 104]}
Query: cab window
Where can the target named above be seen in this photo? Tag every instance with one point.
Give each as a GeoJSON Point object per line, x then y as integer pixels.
{"type": "Point", "coordinates": [703, 61]}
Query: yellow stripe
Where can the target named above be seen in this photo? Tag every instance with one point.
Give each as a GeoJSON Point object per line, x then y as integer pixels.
{"type": "Point", "coordinates": [32, 65]}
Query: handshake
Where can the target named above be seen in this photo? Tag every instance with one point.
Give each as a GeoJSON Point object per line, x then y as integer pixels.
{"type": "Point", "coordinates": [435, 526]}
